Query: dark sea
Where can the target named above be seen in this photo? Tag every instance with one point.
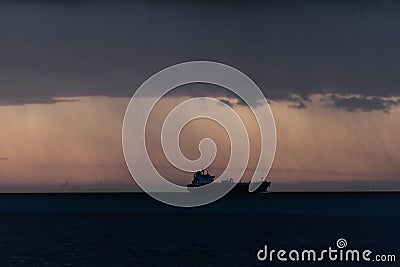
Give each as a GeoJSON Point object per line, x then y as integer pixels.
{"type": "Point", "coordinates": [132, 229]}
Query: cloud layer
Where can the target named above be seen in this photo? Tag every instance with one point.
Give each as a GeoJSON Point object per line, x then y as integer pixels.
{"type": "Point", "coordinates": [291, 50]}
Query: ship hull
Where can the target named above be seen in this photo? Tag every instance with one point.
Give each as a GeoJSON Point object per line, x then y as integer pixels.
{"type": "Point", "coordinates": [239, 188]}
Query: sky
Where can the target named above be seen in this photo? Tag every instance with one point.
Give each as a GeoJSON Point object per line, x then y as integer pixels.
{"type": "Point", "coordinates": [329, 70]}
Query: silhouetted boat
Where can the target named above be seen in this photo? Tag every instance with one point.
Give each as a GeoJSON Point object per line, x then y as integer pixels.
{"type": "Point", "coordinates": [201, 178]}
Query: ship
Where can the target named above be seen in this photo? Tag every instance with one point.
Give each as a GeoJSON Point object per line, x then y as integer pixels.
{"type": "Point", "coordinates": [202, 178]}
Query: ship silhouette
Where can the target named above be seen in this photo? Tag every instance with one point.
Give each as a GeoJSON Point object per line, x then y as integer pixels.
{"type": "Point", "coordinates": [202, 178]}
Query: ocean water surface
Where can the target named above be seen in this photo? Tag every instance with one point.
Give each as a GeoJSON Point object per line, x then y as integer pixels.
{"type": "Point", "coordinates": [132, 229]}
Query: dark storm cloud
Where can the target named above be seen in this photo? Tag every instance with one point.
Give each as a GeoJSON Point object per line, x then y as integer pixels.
{"type": "Point", "coordinates": [36, 100]}
{"type": "Point", "coordinates": [298, 105]}
{"type": "Point", "coordinates": [363, 103]}
{"type": "Point", "coordinates": [289, 49]}
{"type": "Point", "coordinates": [227, 102]}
